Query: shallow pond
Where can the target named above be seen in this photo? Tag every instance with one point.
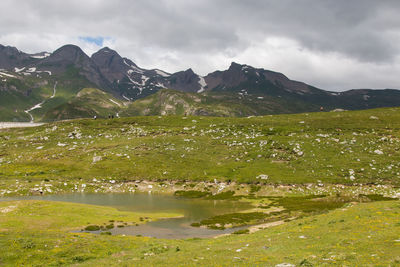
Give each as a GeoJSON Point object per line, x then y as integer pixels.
{"type": "Point", "coordinates": [194, 210]}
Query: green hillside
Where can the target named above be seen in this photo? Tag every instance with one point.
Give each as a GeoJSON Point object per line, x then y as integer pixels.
{"type": "Point", "coordinates": [223, 104]}
{"type": "Point", "coordinates": [87, 103]}
{"type": "Point", "coordinates": [322, 187]}
{"type": "Point", "coordinates": [329, 147]}
{"type": "Point", "coordinates": [21, 93]}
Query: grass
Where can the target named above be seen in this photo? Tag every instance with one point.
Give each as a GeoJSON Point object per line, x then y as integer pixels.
{"type": "Point", "coordinates": [191, 193]}
{"type": "Point", "coordinates": [35, 214]}
{"type": "Point", "coordinates": [358, 234]}
{"type": "Point", "coordinates": [272, 209]}
{"type": "Point", "coordinates": [346, 148]}
{"type": "Point", "coordinates": [324, 174]}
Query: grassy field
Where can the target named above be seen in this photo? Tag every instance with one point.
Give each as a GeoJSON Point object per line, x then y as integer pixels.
{"type": "Point", "coordinates": [350, 148]}
{"type": "Point", "coordinates": [319, 175]}
{"type": "Point", "coordinates": [355, 235]}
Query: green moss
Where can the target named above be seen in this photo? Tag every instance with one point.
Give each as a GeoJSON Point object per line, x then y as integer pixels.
{"type": "Point", "coordinates": [105, 233]}
{"type": "Point", "coordinates": [240, 232]}
{"type": "Point", "coordinates": [236, 219]}
{"type": "Point", "coordinates": [92, 228]}
{"type": "Point", "coordinates": [110, 226]}
{"type": "Point", "coordinates": [191, 194]}
{"type": "Point", "coordinates": [222, 196]}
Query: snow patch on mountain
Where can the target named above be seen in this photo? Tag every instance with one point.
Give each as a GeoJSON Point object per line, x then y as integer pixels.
{"type": "Point", "coordinates": [7, 75]}
{"type": "Point", "coordinates": [144, 80]}
{"type": "Point", "coordinates": [41, 103]}
{"type": "Point", "coordinates": [202, 84]}
{"type": "Point", "coordinates": [115, 102]}
{"type": "Point", "coordinates": [41, 56]}
{"type": "Point", "coordinates": [161, 85]}
{"type": "Point", "coordinates": [133, 68]}
{"type": "Point", "coordinates": [162, 73]}
{"type": "Point", "coordinates": [18, 70]}
{"type": "Point", "coordinates": [133, 81]}
{"type": "Point", "coordinates": [123, 96]}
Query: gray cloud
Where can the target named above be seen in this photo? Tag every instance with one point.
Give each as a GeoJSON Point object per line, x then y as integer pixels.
{"type": "Point", "coordinates": [334, 44]}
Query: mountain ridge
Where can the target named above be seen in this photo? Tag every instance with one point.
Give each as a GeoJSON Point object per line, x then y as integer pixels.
{"type": "Point", "coordinates": [26, 78]}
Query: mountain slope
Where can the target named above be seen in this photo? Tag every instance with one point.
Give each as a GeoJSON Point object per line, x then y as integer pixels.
{"type": "Point", "coordinates": [89, 102]}
{"type": "Point", "coordinates": [27, 81]}
{"type": "Point", "coordinates": [172, 102]}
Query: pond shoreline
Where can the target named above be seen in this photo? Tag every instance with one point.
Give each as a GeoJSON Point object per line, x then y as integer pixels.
{"type": "Point", "coordinates": [51, 187]}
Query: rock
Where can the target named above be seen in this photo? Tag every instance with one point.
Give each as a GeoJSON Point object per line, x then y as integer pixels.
{"type": "Point", "coordinates": [262, 177]}
{"type": "Point", "coordinates": [96, 159]}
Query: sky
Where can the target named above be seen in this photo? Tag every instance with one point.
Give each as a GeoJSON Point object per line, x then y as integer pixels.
{"type": "Point", "coordinates": [331, 44]}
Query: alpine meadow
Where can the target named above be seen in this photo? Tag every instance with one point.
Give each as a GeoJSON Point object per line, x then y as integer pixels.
{"type": "Point", "coordinates": [186, 157]}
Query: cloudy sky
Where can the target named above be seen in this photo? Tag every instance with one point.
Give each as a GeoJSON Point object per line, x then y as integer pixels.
{"type": "Point", "coordinates": [332, 44]}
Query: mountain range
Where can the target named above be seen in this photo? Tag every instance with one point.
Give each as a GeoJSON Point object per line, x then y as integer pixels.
{"type": "Point", "coordinates": [67, 84]}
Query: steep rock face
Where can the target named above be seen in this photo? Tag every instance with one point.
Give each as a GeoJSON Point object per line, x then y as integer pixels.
{"type": "Point", "coordinates": [185, 81]}
{"type": "Point", "coordinates": [245, 75]}
{"type": "Point", "coordinates": [127, 79]}
{"type": "Point", "coordinates": [71, 58]}
{"type": "Point", "coordinates": [111, 64]}
{"type": "Point", "coordinates": [11, 57]}
{"type": "Point", "coordinates": [67, 56]}
{"type": "Point", "coordinates": [228, 78]}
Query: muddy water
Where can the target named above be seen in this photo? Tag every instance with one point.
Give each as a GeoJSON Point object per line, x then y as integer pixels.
{"type": "Point", "coordinates": [194, 210]}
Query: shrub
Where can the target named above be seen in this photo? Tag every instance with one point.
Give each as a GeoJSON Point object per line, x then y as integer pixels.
{"type": "Point", "coordinates": [240, 232]}
{"type": "Point", "coordinates": [92, 228]}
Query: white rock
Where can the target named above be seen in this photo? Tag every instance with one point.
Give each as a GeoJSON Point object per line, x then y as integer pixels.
{"type": "Point", "coordinates": [262, 177]}
{"type": "Point", "coordinates": [96, 159]}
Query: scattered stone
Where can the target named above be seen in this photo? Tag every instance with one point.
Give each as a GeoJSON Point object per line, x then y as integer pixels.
{"type": "Point", "coordinates": [262, 177]}
{"type": "Point", "coordinates": [97, 159]}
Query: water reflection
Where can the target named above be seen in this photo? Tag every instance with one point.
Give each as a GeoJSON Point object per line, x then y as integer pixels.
{"type": "Point", "coordinates": [194, 210]}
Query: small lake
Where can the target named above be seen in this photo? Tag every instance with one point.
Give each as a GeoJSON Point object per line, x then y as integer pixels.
{"type": "Point", "coordinates": [194, 210]}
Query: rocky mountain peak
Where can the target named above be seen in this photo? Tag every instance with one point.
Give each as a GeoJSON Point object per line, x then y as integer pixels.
{"type": "Point", "coordinates": [235, 66]}
{"type": "Point", "coordinates": [9, 50]}
{"type": "Point", "coordinates": [11, 57]}
{"type": "Point", "coordinates": [107, 57]}
{"type": "Point", "coordinates": [68, 53]}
